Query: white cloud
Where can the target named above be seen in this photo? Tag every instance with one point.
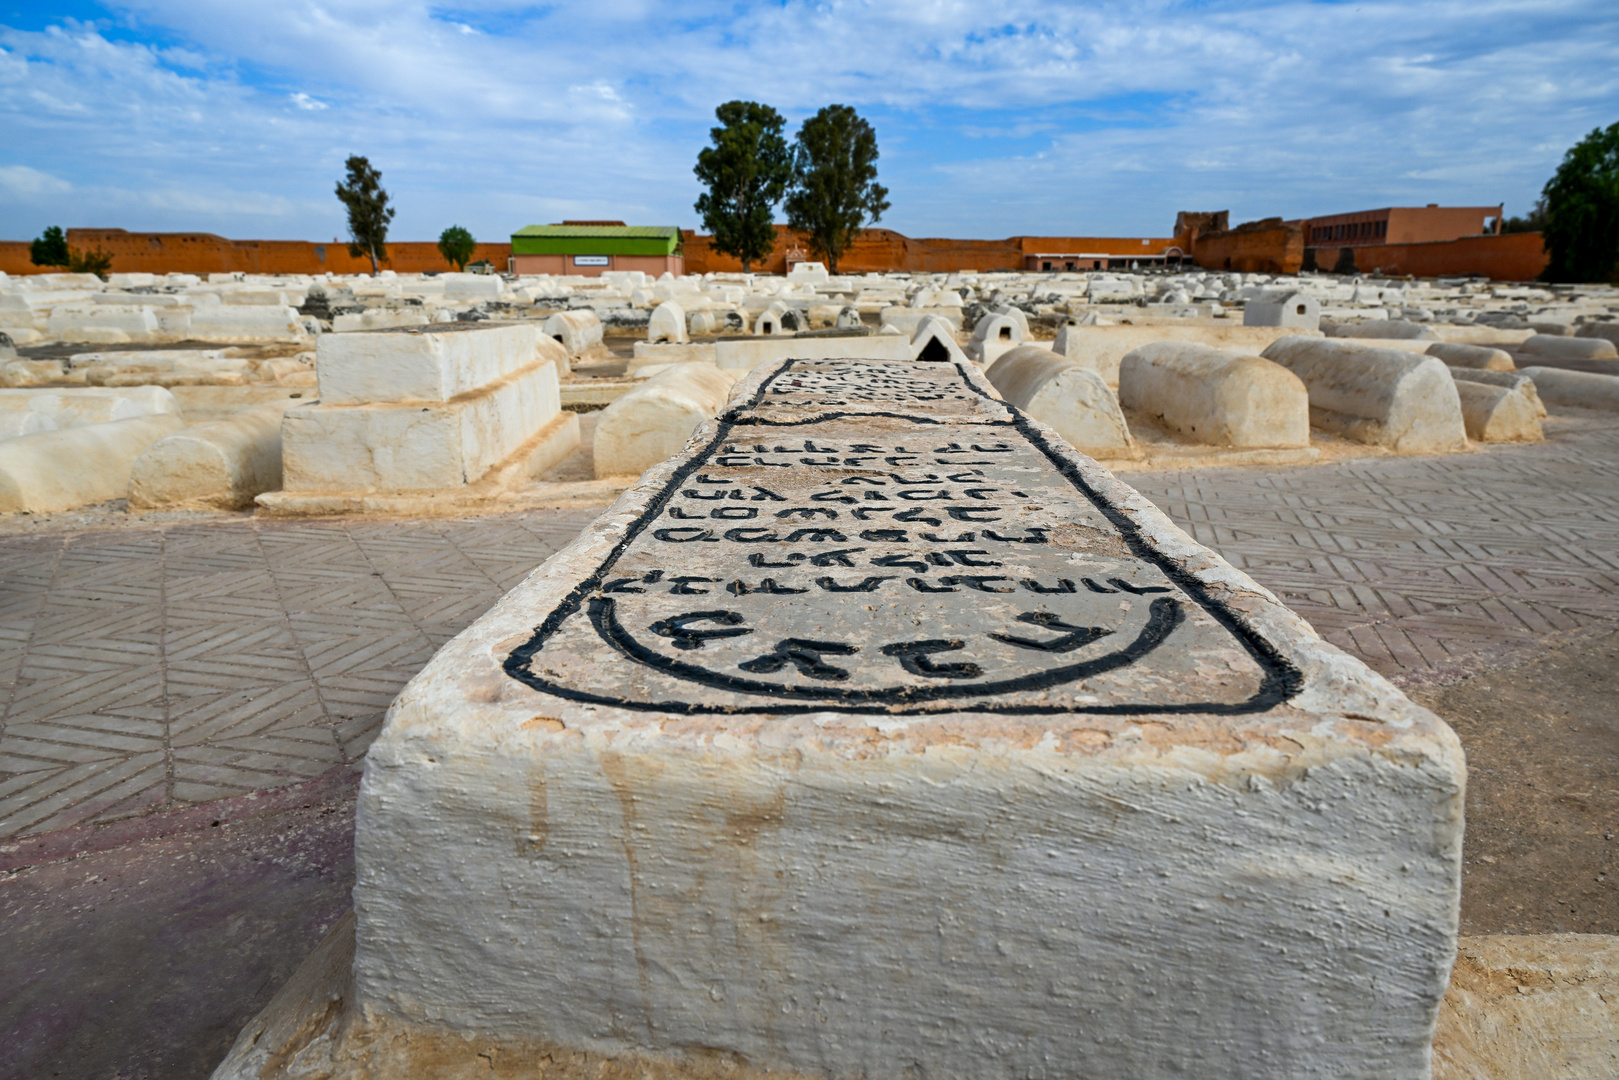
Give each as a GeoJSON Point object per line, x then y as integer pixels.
{"type": "Point", "coordinates": [21, 182]}
{"type": "Point", "coordinates": [1034, 117]}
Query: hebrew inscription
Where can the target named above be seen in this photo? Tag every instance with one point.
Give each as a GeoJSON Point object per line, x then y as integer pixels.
{"type": "Point", "coordinates": [890, 538]}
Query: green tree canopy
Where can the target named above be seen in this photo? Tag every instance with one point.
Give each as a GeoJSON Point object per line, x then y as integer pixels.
{"type": "Point", "coordinates": [457, 246]}
{"type": "Point", "coordinates": [95, 261]}
{"type": "Point", "coordinates": [746, 171]}
{"type": "Point", "coordinates": [1581, 226]}
{"type": "Point", "coordinates": [50, 249]}
{"type": "Point", "coordinates": [835, 192]}
{"type": "Point", "coordinates": [1533, 221]}
{"type": "Point", "coordinates": [369, 213]}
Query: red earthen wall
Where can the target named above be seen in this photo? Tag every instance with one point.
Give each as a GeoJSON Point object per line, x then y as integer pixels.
{"type": "Point", "coordinates": [885, 249]}
{"type": "Point", "coordinates": [1511, 257]}
{"type": "Point", "coordinates": [205, 253]}
{"type": "Point", "coordinates": [1275, 250]}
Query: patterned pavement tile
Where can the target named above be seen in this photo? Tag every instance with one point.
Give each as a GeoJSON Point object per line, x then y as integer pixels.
{"type": "Point", "coordinates": [203, 660]}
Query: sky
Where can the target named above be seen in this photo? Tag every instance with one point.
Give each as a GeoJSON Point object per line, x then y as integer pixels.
{"type": "Point", "coordinates": [993, 119]}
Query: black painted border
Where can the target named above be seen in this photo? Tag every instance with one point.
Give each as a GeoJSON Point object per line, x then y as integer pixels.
{"type": "Point", "coordinates": [1280, 682]}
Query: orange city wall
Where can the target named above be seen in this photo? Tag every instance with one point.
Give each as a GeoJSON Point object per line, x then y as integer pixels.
{"type": "Point", "coordinates": [873, 250]}
{"type": "Point", "coordinates": [205, 253]}
{"type": "Point", "coordinates": [877, 250]}
{"type": "Point", "coordinates": [1510, 257]}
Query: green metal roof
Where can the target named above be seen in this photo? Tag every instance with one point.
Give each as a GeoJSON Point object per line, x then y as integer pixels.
{"type": "Point", "coordinates": [595, 240]}
{"type": "Point", "coordinates": [639, 231]}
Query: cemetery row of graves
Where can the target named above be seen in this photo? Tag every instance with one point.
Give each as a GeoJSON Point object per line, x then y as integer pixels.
{"type": "Point", "coordinates": [427, 393]}
{"type": "Point", "coordinates": [877, 728]}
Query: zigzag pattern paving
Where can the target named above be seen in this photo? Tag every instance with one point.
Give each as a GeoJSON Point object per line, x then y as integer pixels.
{"type": "Point", "coordinates": [1426, 568]}
{"type": "Point", "coordinates": [194, 662]}
{"type": "Point", "coordinates": [140, 667]}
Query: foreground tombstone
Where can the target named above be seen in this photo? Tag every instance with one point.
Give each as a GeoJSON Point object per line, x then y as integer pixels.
{"type": "Point", "coordinates": [882, 735]}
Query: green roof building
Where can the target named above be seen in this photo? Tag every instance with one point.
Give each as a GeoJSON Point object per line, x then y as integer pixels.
{"type": "Point", "coordinates": [592, 248]}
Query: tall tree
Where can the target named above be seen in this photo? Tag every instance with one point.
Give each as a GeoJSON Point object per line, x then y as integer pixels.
{"type": "Point", "coordinates": [835, 192]}
{"type": "Point", "coordinates": [1581, 227]}
{"type": "Point", "coordinates": [457, 246]}
{"type": "Point", "coordinates": [50, 249]}
{"type": "Point", "coordinates": [369, 213]}
{"type": "Point", "coordinates": [746, 171]}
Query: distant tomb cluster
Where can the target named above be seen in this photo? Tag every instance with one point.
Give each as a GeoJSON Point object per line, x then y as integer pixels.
{"type": "Point", "coordinates": [296, 394]}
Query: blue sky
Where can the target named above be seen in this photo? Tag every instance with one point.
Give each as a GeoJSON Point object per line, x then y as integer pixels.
{"type": "Point", "coordinates": [993, 119]}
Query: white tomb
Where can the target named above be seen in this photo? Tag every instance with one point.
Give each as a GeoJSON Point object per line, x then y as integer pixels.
{"type": "Point", "coordinates": [882, 735]}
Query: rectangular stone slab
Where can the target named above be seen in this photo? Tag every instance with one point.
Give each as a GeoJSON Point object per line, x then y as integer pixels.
{"type": "Point", "coordinates": [419, 363]}
{"type": "Point", "coordinates": [882, 735]}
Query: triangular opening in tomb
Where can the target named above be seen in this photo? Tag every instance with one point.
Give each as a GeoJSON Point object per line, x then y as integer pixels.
{"type": "Point", "coordinates": [934, 352]}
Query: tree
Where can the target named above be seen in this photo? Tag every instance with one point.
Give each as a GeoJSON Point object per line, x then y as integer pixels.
{"type": "Point", "coordinates": [50, 249]}
{"type": "Point", "coordinates": [369, 213]}
{"type": "Point", "coordinates": [1534, 221]}
{"type": "Point", "coordinates": [835, 192]}
{"type": "Point", "coordinates": [746, 171]}
{"type": "Point", "coordinates": [1581, 229]}
{"type": "Point", "coordinates": [457, 246]}
{"type": "Point", "coordinates": [94, 261]}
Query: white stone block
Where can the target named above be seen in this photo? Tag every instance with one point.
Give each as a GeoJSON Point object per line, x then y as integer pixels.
{"type": "Point", "coordinates": [667, 324]}
{"type": "Point", "coordinates": [1214, 397]}
{"type": "Point", "coordinates": [1283, 307]}
{"type": "Point", "coordinates": [646, 354]}
{"type": "Point", "coordinates": [78, 466]}
{"type": "Point", "coordinates": [431, 363]}
{"type": "Point", "coordinates": [1608, 331]}
{"type": "Point", "coordinates": [651, 814]}
{"type": "Point", "coordinates": [906, 320]}
{"type": "Point", "coordinates": [576, 330]}
{"type": "Point", "coordinates": [221, 464]}
{"type": "Point", "coordinates": [1497, 414]}
{"type": "Point", "coordinates": [1458, 355]}
{"type": "Point", "coordinates": [1569, 348]}
{"type": "Point", "coordinates": [652, 422]}
{"type": "Point", "coordinates": [935, 343]}
{"type": "Point", "coordinates": [1386, 397]}
{"type": "Point", "coordinates": [24, 422]}
{"type": "Point", "coordinates": [1101, 348]}
{"type": "Point", "coordinates": [1070, 398]}
{"type": "Point", "coordinates": [80, 407]}
{"type": "Point", "coordinates": [744, 355]}
{"type": "Point", "coordinates": [472, 286]}
{"type": "Point", "coordinates": [1529, 1007]}
{"type": "Point", "coordinates": [1398, 329]}
{"type": "Point", "coordinates": [1515, 381]}
{"type": "Point", "coordinates": [1583, 389]}
{"type": "Point", "coordinates": [245, 322]}
{"type": "Point", "coordinates": [110, 323]}
{"type": "Point", "coordinates": [412, 446]}
{"type": "Point", "coordinates": [378, 319]}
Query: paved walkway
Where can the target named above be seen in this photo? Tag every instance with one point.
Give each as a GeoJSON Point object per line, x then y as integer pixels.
{"type": "Point", "coordinates": [180, 663]}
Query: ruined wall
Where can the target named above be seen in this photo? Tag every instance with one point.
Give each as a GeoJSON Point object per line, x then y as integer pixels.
{"type": "Point", "coordinates": [872, 250]}
{"type": "Point", "coordinates": [886, 250]}
{"type": "Point", "coordinates": [1271, 246]}
{"type": "Point", "coordinates": [206, 253]}
{"type": "Point", "coordinates": [1512, 257]}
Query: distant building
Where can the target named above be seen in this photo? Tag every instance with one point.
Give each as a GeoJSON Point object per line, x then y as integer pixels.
{"type": "Point", "coordinates": [1401, 225]}
{"type": "Point", "coordinates": [591, 248]}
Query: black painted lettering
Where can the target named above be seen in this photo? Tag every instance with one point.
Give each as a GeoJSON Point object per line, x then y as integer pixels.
{"type": "Point", "coordinates": [683, 536]}
{"type": "Point", "coordinates": [678, 629]}
{"type": "Point", "coordinates": [1076, 638]}
{"type": "Point", "coordinates": [865, 585]}
{"type": "Point", "coordinates": [804, 655]}
{"type": "Point", "coordinates": [913, 656]}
